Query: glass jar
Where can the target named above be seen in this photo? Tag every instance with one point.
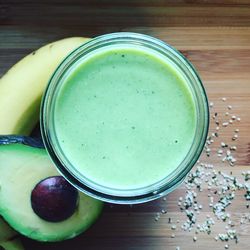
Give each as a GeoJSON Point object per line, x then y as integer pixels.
{"type": "Point", "coordinates": [65, 167]}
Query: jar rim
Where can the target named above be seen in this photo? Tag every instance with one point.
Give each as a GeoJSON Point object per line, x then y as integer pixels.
{"type": "Point", "coordinates": [169, 182]}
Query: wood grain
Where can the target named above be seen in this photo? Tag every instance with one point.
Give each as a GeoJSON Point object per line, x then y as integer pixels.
{"type": "Point", "coordinates": [214, 35]}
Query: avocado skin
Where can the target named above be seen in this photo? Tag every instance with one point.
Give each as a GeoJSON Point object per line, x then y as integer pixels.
{"type": "Point", "coordinates": [26, 166]}
{"type": "Point", "coordinates": [26, 140]}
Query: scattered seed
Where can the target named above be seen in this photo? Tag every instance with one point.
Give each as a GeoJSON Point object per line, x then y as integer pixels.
{"type": "Point", "coordinates": [221, 187]}
{"type": "Point", "coordinates": [235, 137]}
{"type": "Point", "coordinates": [211, 104]}
{"type": "Point", "coordinates": [233, 148]}
{"type": "Point", "coordinates": [220, 151]}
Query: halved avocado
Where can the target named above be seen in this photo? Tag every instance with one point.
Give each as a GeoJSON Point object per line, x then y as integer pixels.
{"type": "Point", "coordinates": [21, 168]}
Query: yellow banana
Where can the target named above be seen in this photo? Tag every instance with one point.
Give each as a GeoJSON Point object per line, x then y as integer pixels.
{"type": "Point", "coordinates": [14, 244]}
{"type": "Point", "coordinates": [8, 240]}
{"type": "Point", "coordinates": [6, 232]}
{"type": "Point", "coordinates": [21, 90]}
{"type": "Point", "coordinates": [22, 86]}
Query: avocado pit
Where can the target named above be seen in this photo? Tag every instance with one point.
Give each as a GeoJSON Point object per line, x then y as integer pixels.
{"type": "Point", "coordinates": [54, 199]}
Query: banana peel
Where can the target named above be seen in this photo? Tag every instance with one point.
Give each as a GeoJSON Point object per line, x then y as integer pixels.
{"type": "Point", "coordinates": [22, 86]}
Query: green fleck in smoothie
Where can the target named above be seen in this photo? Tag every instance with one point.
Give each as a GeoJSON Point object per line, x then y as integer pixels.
{"type": "Point", "coordinates": [125, 117]}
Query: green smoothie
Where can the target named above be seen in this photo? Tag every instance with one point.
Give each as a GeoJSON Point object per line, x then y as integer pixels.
{"type": "Point", "coordinates": [125, 117]}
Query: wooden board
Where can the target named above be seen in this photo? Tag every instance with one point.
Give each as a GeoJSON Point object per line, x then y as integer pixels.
{"type": "Point", "coordinates": [214, 35]}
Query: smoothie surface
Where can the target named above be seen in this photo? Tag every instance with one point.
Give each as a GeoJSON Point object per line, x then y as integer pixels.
{"type": "Point", "coordinates": [125, 118]}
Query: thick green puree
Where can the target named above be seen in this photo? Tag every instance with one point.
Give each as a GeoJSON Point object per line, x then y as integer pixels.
{"type": "Point", "coordinates": [125, 118]}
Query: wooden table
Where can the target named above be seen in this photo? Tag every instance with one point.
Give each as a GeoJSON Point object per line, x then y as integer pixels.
{"type": "Point", "coordinates": [214, 35]}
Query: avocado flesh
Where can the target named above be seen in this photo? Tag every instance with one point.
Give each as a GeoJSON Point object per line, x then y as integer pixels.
{"type": "Point", "coordinates": [21, 168]}
{"type": "Point", "coordinates": [12, 245]}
